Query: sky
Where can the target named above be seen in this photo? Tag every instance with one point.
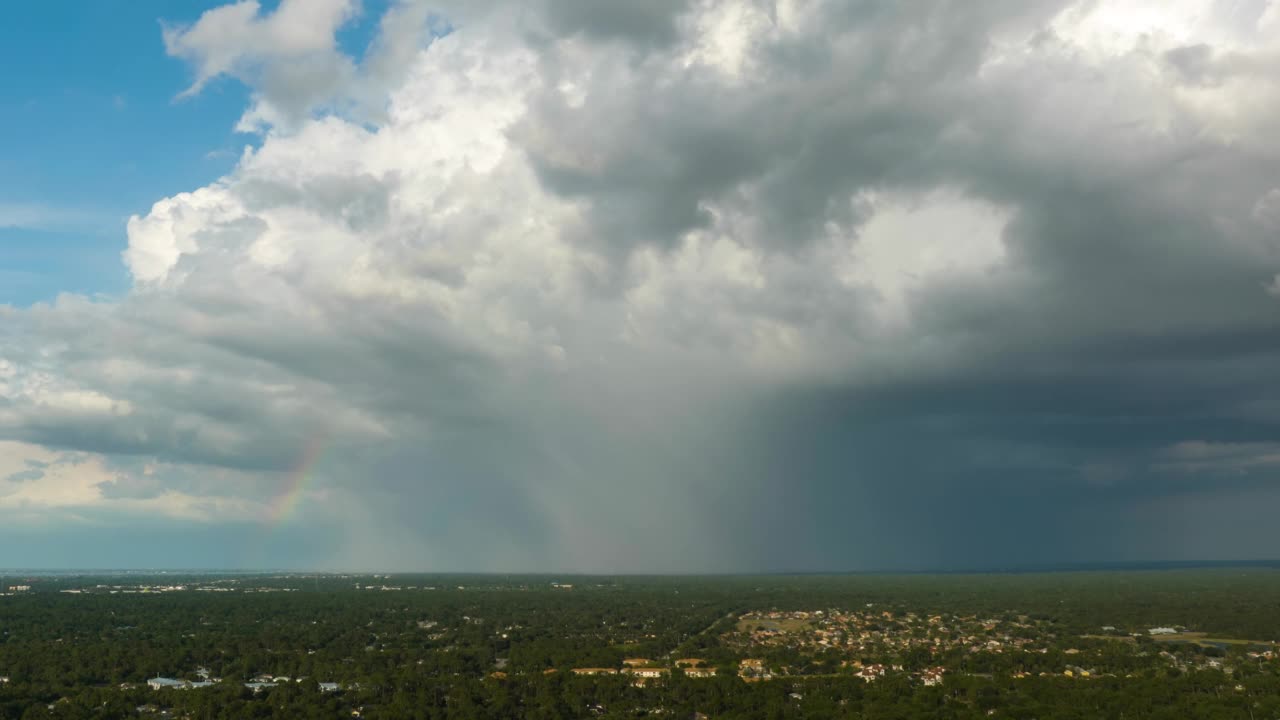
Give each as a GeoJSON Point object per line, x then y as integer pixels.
{"type": "Point", "coordinates": [640, 286]}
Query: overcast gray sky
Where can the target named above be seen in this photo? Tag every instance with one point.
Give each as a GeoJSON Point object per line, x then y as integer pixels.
{"type": "Point", "coordinates": [682, 285]}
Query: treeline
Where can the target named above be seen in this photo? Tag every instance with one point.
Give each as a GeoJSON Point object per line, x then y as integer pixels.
{"type": "Point", "coordinates": [1205, 695]}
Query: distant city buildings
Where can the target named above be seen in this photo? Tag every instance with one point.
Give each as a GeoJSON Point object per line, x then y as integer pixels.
{"type": "Point", "coordinates": [257, 685]}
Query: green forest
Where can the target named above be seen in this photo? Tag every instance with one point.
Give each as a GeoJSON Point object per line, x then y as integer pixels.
{"type": "Point", "coordinates": [1153, 644]}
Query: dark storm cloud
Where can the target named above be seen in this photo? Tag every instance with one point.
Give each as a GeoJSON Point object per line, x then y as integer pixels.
{"type": "Point", "coordinates": [1136, 316]}
{"type": "Point", "coordinates": [649, 22]}
{"type": "Point", "coordinates": [862, 102]}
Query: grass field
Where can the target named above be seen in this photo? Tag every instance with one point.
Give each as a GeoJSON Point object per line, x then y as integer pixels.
{"type": "Point", "coordinates": [1203, 639]}
{"type": "Point", "coordinates": [1195, 638]}
{"type": "Point", "coordinates": [784, 625]}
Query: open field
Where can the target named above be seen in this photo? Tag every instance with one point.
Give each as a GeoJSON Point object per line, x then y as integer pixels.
{"type": "Point", "coordinates": [1196, 638]}
{"type": "Point", "coordinates": [787, 625]}
{"type": "Point", "coordinates": [1203, 640]}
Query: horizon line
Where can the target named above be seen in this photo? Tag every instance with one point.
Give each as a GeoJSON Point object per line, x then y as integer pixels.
{"type": "Point", "coordinates": [1030, 569]}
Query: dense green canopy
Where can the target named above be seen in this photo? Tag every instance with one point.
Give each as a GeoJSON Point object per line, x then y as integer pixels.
{"type": "Point", "coordinates": [428, 647]}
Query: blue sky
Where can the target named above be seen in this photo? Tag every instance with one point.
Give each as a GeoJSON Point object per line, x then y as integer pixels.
{"type": "Point", "coordinates": [91, 133]}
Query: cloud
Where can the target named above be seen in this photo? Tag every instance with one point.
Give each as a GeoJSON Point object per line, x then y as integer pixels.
{"type": "Point", "coordinates": [704, 285]}
{"type": "Point", "coordinates": [24, 476]}
{"type": "Point", "coordinates": [646, 22]}
{"type": "Point", "coordinates": [290, 55]}
{"type": "Point", "coordinates": [89, 489]}
{"type": "Point", "coordinates": [12, 216]}
{"type": "Point", "coordinates": [234, 38]}
{"type": "Point", "coordinates": [1198, 456]}
{"type": "Point", "coordinates": [38, 216]}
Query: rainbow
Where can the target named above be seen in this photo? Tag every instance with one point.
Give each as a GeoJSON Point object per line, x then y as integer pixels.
{"type": "Point", "coordinates": [286, 502]}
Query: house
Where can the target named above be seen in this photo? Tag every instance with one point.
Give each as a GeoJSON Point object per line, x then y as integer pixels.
{"type": "Point", "coordinates": [329, 687]}
{"type": "Point", "coordinates": [1162, 631]}
{"type": "Point", "coordinates": [755, 664]}
{"type": "Point", "coordinates": [157, 683]}
{"type": "Point", "coordinates": [643, 675]}
{"type": "Point", "coordinates": [871, 672]}
{"type": "Point", "coordinates": [594, 671]}
{"type": "Point", "coordinates": [932, 676]}
{"type": "Point", "coordinates": [690, 662]}
{"type": "Point", "coordinates": [637, 662]}
{"type": "Point", "coordinates": [258, 687]}
{"type": "Point", "coordinates": [4, 679]}
{"type": "Point", "coordinates": [699, 672]}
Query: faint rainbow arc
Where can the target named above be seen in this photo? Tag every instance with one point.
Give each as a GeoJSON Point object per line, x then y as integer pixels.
{"type": "Point", "coordinates": [286, 502]}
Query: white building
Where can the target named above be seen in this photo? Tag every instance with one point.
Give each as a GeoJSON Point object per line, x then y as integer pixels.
{"type": "Point", "coordinates": [157, 683]}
